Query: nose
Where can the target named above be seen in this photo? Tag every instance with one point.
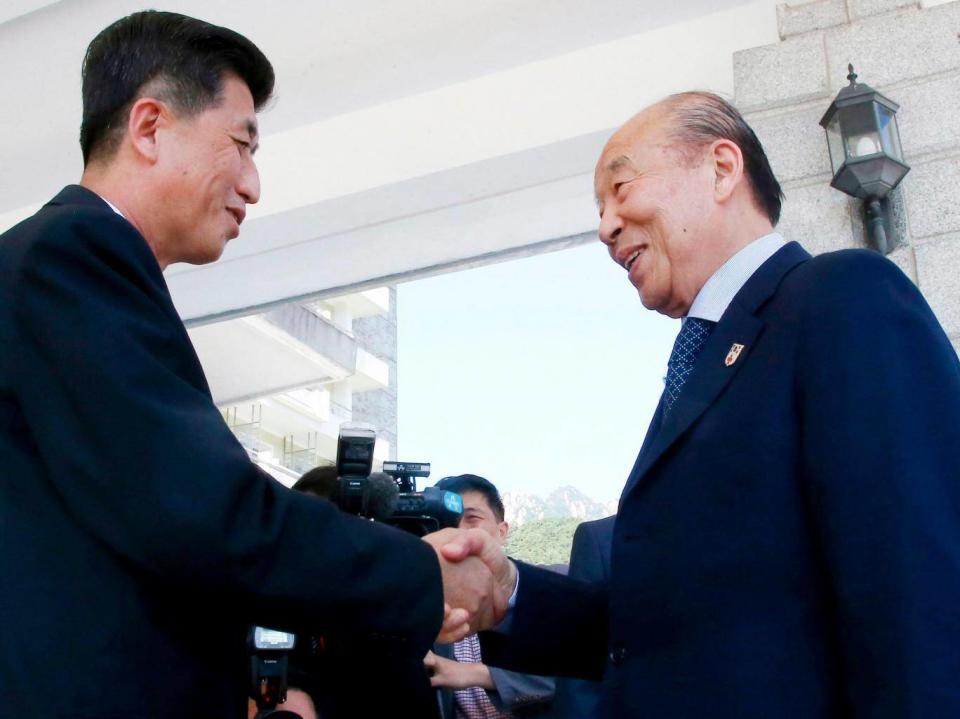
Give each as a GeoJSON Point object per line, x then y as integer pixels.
{"type": "Point", "coordinates": [249, 184]}
{"type": "Point", "coordinates": [610, 226]}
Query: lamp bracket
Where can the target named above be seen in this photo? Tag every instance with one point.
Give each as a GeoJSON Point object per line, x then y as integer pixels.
{"type": "Point", "coordinates": [881, 231]}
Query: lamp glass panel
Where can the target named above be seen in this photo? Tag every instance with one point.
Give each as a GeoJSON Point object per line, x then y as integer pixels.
{"type": "Point", "coordinates": [858, 124]}
{"type": "Point", "coordinates": [889, 134]}
{"type": "Point", "coordinates": [835, 143]}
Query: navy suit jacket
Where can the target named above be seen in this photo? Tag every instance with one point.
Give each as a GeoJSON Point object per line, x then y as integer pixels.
{"type": "Point", "coordinates": [788, 542]}
{"type": "Point", "coordinates": [590, 562]}
{"type": "Point", "coordinates": [137, 540]}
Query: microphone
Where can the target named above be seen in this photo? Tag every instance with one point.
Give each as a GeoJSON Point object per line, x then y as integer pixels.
{"type": "Point", "coordinates": [380, 495]}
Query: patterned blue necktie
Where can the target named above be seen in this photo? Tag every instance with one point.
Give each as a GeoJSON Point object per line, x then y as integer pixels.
{"type": "Point", "coordinates": [690, 341]}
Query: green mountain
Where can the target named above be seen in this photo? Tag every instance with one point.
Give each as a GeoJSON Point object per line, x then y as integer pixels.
{"type": "Point", "coordinates": [543, 541]}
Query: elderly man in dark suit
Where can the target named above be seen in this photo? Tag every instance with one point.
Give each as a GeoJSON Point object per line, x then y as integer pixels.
{"type": "Point", "coordinates": [138, 540]}
{"type": "Point", "coordinates": [788, 542]}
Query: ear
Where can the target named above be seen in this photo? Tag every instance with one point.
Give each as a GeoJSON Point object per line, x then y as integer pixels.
{"type": "Point", "coordinates": [503, 529]}
{"type": "Point", "coordinates": [147, 116]}
{"type": "Point", "coordinates": [727, 161]}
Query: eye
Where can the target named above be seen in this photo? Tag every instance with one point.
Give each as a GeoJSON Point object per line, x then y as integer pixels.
{"type": "Point", "coordinates": [242, 145]}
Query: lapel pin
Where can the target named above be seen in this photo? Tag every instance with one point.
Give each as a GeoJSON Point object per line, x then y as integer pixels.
{"type": "Point", "coordinates": [733, 354]}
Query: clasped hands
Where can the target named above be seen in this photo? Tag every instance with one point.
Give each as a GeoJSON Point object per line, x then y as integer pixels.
{"type": "Point", "coordinates": [478, 579]}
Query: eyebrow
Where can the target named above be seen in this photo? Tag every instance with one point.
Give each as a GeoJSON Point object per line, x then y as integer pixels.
{"type": "Point", "coordinates": [620, 161]}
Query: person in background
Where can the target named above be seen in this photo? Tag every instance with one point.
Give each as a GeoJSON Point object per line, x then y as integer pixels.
{"type": "Point", "coordinates": [469, 687]}
{"type": "Point", "coordinates": [335, 676]}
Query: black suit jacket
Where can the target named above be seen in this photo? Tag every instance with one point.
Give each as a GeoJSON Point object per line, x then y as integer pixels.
{"type": "Point", "coordinates": [137, 541]}
{"type": "Point", "coordinates": [590, 562]}
{"type": "Point", "coordinates": [788, 542]}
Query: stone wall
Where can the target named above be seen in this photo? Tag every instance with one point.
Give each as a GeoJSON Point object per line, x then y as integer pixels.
{"type": "Point", "coordinates": [378, 336]}
{"type": "Point", "coordinates": [907, 51]}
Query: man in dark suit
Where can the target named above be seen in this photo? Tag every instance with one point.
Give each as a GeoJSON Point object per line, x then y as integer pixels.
{"type": "Point", "coordinates": [589, 562]}
{"type": "Point", "coordinates": [138, 540]}
{"type": "Point", "coordinates": [788, 541]}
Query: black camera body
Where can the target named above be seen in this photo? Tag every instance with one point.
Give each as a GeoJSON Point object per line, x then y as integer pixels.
{"type": "Point", "coordinates": [395, 502]}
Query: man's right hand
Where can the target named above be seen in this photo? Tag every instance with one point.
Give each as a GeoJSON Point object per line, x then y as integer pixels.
{"type": "Point", "coordinates": [483, 590]}
{"type": "Point", "coordinates": [468, 585]}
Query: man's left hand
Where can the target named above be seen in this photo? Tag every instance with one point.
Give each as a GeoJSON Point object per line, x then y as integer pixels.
{"type": "Point", "coordinates": [450, 674]}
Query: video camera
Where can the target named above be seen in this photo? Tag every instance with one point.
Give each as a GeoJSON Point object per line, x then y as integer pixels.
{"type": "Point", "coordinates": [393, 501]}
{"type": "Point", "coordinates": [391, 498]}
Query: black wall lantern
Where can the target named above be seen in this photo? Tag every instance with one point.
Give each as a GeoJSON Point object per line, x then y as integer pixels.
{"type": "Point", "coordinates": [865, 153]}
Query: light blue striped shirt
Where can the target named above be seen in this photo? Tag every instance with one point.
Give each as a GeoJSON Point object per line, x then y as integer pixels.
{"type": "Point", "coordinates": [716, 295]}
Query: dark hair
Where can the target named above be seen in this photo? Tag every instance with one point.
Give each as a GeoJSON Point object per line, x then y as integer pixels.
{"type": "Point", "coordinates": [699, 118]}
{"type": "Point", "coordinates": [186, 57]}
{"type": "Point", "coordinates": [474, 483]}
{"type": "Point", "coordinates": [321, 481]}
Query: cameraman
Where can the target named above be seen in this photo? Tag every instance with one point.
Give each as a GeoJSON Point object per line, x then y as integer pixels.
{"type": "Point", "coordinates": [302, 695]}
{"type": "Point", "coordinates": [468, 687]}
{"type": "Point", "coordinates": [355, 678]}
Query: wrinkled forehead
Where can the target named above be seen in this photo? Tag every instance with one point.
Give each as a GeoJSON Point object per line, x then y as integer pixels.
{"type": "Point", "coordinates": [639, 143]}
{"type": "Point", "coordinates": [623, 151]}
{"type": "Point", "coordinates": [628, 143]}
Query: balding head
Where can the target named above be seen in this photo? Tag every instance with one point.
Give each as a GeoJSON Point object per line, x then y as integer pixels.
{"type": "Point", "coordinates": [693, 120]}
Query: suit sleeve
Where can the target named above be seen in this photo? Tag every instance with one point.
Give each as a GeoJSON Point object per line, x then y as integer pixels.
{"type": "Point", "coordinates": [516, 692]}
{"type": "Point", "coordinates": [142, 459]}
{"type": "Point", "coordinates": [879, 391]}
{"type": "Point", "coordinates": [577, 697]}
{"type": "Point", "coordinates": [558, 628]}
{"type": "Point", "coordinates": [587, 562]}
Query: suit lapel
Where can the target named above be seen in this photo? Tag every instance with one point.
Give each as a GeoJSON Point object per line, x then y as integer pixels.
{"type": "Point", "coordinates": [652, 430]}
{"type": "Point", "coordinates": [701, 389]}
{"type": "Point", "coordinates": [739, 325]}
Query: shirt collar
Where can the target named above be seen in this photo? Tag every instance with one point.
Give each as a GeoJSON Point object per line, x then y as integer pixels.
{"type": "Point", "coordinates": [716, 295]}
{"type": "Point", "coordinates": [113, 207]}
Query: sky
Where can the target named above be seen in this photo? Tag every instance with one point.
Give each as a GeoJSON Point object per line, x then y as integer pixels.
{"type": "Point", "coordinates": [534, 373]}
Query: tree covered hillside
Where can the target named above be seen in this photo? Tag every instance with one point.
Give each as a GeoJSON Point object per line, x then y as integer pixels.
{"type": "Point", "coordinates": [544, 541]}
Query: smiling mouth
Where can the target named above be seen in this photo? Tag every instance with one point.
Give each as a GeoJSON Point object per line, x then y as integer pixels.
{"type": "Point", "coordinates": [631, 258]}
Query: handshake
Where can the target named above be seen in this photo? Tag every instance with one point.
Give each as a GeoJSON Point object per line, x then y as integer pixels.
{"type": "Point", "coordinates": [478, 580]}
